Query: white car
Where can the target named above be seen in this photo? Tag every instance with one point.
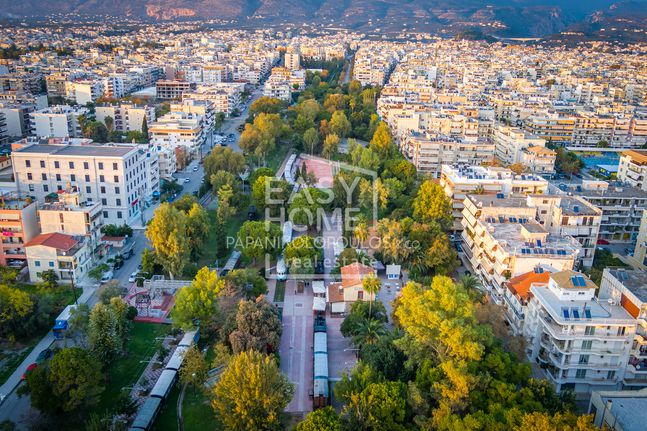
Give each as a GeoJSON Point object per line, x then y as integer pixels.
{"type": "Point", "coordinates": [107, 277]}
{"type": "Point", "coordinates": [132, 277]}
{"type": "Point", "coordinates": [195, 169]}
{"type": "Point", "coordinates": [186, 180]}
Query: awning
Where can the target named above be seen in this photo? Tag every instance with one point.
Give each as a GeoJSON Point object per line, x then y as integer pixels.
{"type": "Point", "coordinates": [318, 304]}
{"type": "Point", "coordinates": [338, 307]}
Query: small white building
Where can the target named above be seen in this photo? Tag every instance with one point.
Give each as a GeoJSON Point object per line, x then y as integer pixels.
{"type": "Point", "coordinates": [68, 256]}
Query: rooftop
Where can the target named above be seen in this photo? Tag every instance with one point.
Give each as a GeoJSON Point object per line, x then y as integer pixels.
{"type": "Point", "coordinates": [634, 280]}
{"type": "Point", "coordinates": [511, 239]}
{"type": "Point", "coordinates": [78, 150]}
{"type": "Point", "coordinates": [59, 241]}
{"type": "Point", "coordinates": [569, 280]}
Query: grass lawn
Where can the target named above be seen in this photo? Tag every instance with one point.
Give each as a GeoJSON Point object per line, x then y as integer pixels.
{"type": "Point", "coordinates": [125, 371]}
{"type": "Point", "coordinates": [279, 292]}
{"type": "Point", "coordinates": [208, 257]}
{"type": "Point", "coordinates": [275, 159]}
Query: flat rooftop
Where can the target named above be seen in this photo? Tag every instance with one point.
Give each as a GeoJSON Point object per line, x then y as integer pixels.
{"type": "Point", "coordinates": [630, 412]}
{"type": "Point", "coordinates": [634, 280]}
{"type": "Point", "coordinates": [78, 150]}
{"type": "Point", "coordinates": [510, 201]}
{"type": "Point", "coordinates": [510, 238]}
{"type": "Point", "coordinates": [604, 312]}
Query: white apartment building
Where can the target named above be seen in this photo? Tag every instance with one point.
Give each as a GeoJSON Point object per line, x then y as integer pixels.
{"type": "Point", "coordinates": [203, 108]}
{"type": "Point", "coordinates": [277, 88]}
{"type": "Point", "coordinates": [539, 160]}
{"type": "Point", "coordinates": [126, 117]}
{"type": "Point", "coordinates": [582, 343]}
{"type": "Point", "coordinates": [510, 143]}
{"type": "Point", "coordinates": [60, 121]}
{"type": "Point", "coordinates": [628, 289]}
{"type": "Point", "coordinates": [112, 175]}
{"type": "Point", "coordinates": [72, 214]}
{"type": "Point", "coordinates": [292, 59]}
{"type": "Point", "coordinates": [502, 239]}
{"type": "Point", "coordinates": [178, 129]}
{"type": "Point", "coordinates": [84, 91]}
{"type": "Point", "coordinates": [68, 256]}
{"type": "Point", "coordinates": [225, 97]}
{"type": "Point", "coordinates": [633, 168]}
{"type": "Point", "coordinates": [429, 152]}
{"type": "Point", "coordinates": [459, 180]}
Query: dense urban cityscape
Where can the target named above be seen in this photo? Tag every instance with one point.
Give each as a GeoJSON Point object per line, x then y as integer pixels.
{"type": "Point", "coordinates": [215, 226]}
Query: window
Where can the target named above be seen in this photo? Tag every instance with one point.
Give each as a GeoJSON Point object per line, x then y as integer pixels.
{"type": "Point", "coordinates": [42, 163]}
{"type": "Point", "coordinates": [59, 187]}
{"type": "Point", "coordinates": [611, 374]}
{"type": "Point", "coordinates": [86, 165]}
{"type": "Point", "coordinates": [71, 164]}
{"type": "Point", "coordinates": [57, 165]}
{"type": "Point", "coordinates": [31, 187]}
{"type": "Point", "coordinates": [37, 263]}
{"type": "Point", "coordinates": [102, 178]}
{"type": "Point", "coordinates": [45, 188]}
{"type": "Point", "coordinates": [584, 359]}
{"type": "Point", "coordinates": [29, 175]}
{"type": "Point", "coordinates": [51, 264]}
{"type": "Point", "coordinates": [44, 177]}
{"type": "Point", "coordinates": [73, 178]}
{"type": "Point", "coordinates": [100, 165]}
{"type": "Point", "coordinates": [116, 178]}
{"type": "Point", "coordinates": [589, 330]}
{"type": "Point", "coordinates": [586, 344]}
{"type": "Point", "coordinates": [580, 374]}
{"type": "Point", "coordinates": [88, 189]}
{"type": "Point", "coordinates": [28, 163]}
{"type": "Point", "coordinates": [117, 190]}
{"type": "Point", "coordinates": [114, 167]}
{"type": "Point", "coordinates": [119, 215]}
{"type": "Point", "coordinates": [105, 214]}
{"type": "Point", "coordinates": [87, 178]}
{"type": "Point", "coordinates": [621, 331]}
{"type": "Point", "coordinates": [104, 201]}
{"type": "Point", "coordinates": [58, 177]}
{"type": "Point", "coordinates": [102, 189]}
{"type": "Point", "coordinates": [118, 202]}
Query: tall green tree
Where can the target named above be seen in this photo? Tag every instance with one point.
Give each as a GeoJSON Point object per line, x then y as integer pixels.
{"type": "Point", "coordinates": [325, 419]}
{"type": "Point", "coordinates": [382, 142]}
{"type": "Point", "coordinates": [311, 140]}
{"type": "Point", "coordinates": [371, 285]}
{"type": "Point", "coordinates": [432, 205]}
{"type": "Point", "coordinates": [258, 238]}
{"type": "Point", "coordinates": [168, 236]}
{"type": "Point", "coordinates": [195, 369]}
{"type": "Point", "coordinates": [198, 301]}
{"type": "Point", "coordinates": [103, 334]}
{"type": "Point", "coordinates": [258, 327]}
{"type": "Point", "coordinates": [339, 124]}
{"type": "Point", "coordinates": [251, 393]}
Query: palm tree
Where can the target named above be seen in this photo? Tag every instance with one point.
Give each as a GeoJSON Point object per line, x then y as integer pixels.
{"type": "Point", "coordinates": [470, 282]}
{"type": "Point", "coordinates": [361, 232]}
{"type": "Point", "coordinates": [371, 285]}
{"type": "Point", "coordinates": [368, 332]}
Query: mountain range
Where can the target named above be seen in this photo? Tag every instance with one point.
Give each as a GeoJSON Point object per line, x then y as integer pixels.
{"type": "Point", "coordinates": [508, 18]}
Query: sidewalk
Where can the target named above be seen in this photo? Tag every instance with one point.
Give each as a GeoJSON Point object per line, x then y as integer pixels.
{"type": "Point", "coordinates": [14, 380]}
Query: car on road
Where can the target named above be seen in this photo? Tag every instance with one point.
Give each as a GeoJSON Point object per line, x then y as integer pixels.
{"type": "Point", "coordinates": [195, 169]}
{"type": "Point", "coordinates": [186, 180]}
{"type": "Point", "coordinates": [29, 369]}
{"type": "Point", "coordinates": [132, 277]}
{"type": "Point", "coordinates": [118, 264]}
{"type": "Point", "coordinates": [44, 355]}
{"type": "Point", "coordinates": [107, 277]}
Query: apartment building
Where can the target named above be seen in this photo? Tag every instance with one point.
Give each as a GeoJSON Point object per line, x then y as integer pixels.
{"type": "Point", "coordinates": [582, 342]}
{"type": "Point", "coordinates": [458, 181]}
{"type": "Point", "coordinates": [516, 295]}
{"type": "Point", "coordinates": [17, 118]}
{"type": "Point", "coordinates": [178, 129]}
{"type": "Point", "coordinates": [539, 160]}
{"type": "Point", "coordinates": [68, 256]}
{"type": "Point", "coordinates": [633, 167]}
{"type": "Point", "coordinates": [61, 121]}
{"type": "Point", "coordinates": [429, 152]}
{"type": "Point", "coordinates": [84, 91]}
{"type": "Point", "coordinates": [173, 90]}
{"type": "Point", "coordinates": [639, 259]}
{"type": "Point", "coordinates": [292, 59]}
{"type": "Point", "coordinates": [4, 137]}
{"type": "Point", "coordinates": [624, 410]}
{"type": "Point", "coordinates": [502, 239]}
{"type": "Point", "coordinates": [628, 289]}
{"type": "Point", "coordinates": [203, 108]}
{"type": "Point", "coordinates": [19, 224]}
{"type": "Point", "coordinates": [570, 216]}
{"type": "Point", "coordinates": [622, 206]}
{"type": "Point", "coordinates": [70, 213]}
{"type": "Point", "coordinates": [126, 117]}
{"type": "Point", "coordinates": [113, 175]}
{"type": "Point", "coordinates": [510, 143]}
{"type": "Point", "coordinates": [225, 97]}
{"type": "Point", "coordinates": [551, 127]}
{"type": "Point", "coordinates": [277, 88]}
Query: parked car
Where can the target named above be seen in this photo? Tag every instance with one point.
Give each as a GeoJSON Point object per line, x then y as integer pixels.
{"type": "Point", "coordinates": [186, 180]}
{"type": "Point", "coordinates": [118, 264]}
{"type": "Point", "coordinates": [44, 355]}
{"type": "Point", "coordinates": [107, 276]}
{"type": "Point", "coordinates": [29, 369]}
{"type": "Point", "coordinates": [132, 277]}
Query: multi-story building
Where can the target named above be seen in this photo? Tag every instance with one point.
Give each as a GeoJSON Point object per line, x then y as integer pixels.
{"type": "Point", "coordinates": [84, 91]}
{"type": "Point", "coordinates": [639, 259]}
{"type": "Point", "coordinates": [516, 295]}
{"type": "Point", "coordinates": [570, 216]}
{"type": "Point", "coordinates": [19, 224]}
{"type": "Point", "coordinates": [68, 256]}
{"type": "Point", "coordinates": [4, 137]}
{"type": "Point", "coordinates": [203, 108]}
{"type": "Point", "coordinates": [539, 160]}
{"type": "Point", "coordinates": [622, 206]}
{"type": "Point", "coordinates": [178, 129]}
{"type": "Point", "coordinates": [72, 214]}
{"type": "Point", "coordinates": [502, 239]}
{"type": "Point", "coordinates": [60, 121]}
{"type": "Point", "coordinates": [292, 59]}
{"type": "Point", "coordinates": [17, 118]}
{"type": "Point", "coordinates": [582, 343]}
{"type": "Point", "coordinates": [460, 180]}
{"type": "Point", "coordinates": [113, 175]}
{"type": "Point", "coordinates": [428, 152]}
{"type": "Point", "coordinates": [126, 117]}
{"type": "Point", "coordinates": [510, 143]}
{"type": "Point", "coordinates": [173, 90]}
{"type": "Point", "coordinates": [633, 167]}
{"type": "Point", "coordinates": [277, 88]}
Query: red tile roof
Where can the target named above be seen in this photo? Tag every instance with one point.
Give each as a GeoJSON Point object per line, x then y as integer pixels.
{"type": "Point", "coordinates": [353, 274]}
{"type": "Point", "coordinates": [520, 285]}
{"type": "Point", "coordinates": [59, 241]}
{"type": "Point", "coordinates": [335, 293]}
